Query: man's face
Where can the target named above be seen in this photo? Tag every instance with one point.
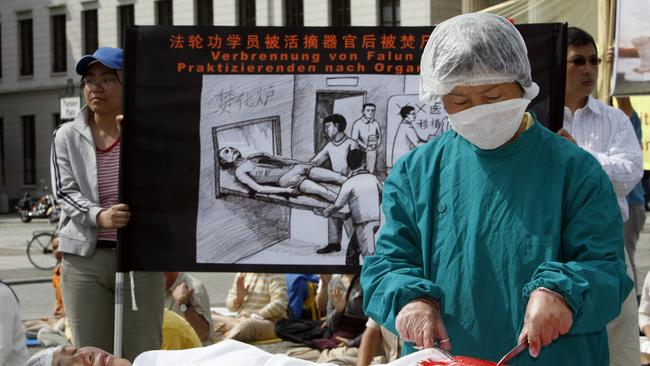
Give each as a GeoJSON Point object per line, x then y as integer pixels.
{"type": "Point", "coordinates": [102, 89]}
{"type": "Point", "coordinates": [581, 73]}
{"type": "Point", "coordinates": [465, 97]}
{"type": "Point", "coordinates": [410, 117]}
{"type": "Point", "coordinates": [86, 356]}
{"type": "Point", "coordinates": [229, 154]}
{"type": "Point", "coordinates": [331, 130]}
{"type": "Point", "coordinates": [369, 112]}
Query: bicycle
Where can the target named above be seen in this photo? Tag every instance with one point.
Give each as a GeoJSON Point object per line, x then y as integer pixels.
{"type": "Point", "coordinates": [40, 251]}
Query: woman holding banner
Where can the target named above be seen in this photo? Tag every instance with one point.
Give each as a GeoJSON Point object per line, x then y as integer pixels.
{"type": "Point", "coordinates": [498, 232]}
{"type": "Point", "coordinates": [85, 166]}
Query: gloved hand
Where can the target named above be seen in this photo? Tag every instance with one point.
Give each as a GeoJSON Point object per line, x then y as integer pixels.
{"type": "Point", "coordinates": [547, 317]}
{"type": "Point", "coordinates": [420, 323]}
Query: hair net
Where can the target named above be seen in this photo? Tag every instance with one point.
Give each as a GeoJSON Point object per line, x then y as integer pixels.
{"type": "Point", "coordinates": [474, 49]}
{"type": "Point", "coordinates": [42, 357]}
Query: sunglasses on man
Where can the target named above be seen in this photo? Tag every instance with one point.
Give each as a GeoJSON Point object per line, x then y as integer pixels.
{"type": "Point", "coordinates": [580, 61]}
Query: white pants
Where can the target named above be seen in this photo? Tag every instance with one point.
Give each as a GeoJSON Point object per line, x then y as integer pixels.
{"type": "Point", "coordinates": [623, 332]}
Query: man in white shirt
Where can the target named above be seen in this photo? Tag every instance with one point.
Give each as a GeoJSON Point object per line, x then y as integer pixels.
{"type": "Point", "coordinates": [607, 134]}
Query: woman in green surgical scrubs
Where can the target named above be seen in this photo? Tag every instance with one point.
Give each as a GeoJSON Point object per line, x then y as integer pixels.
{"type": "Point", "coordinates": [498, 231]}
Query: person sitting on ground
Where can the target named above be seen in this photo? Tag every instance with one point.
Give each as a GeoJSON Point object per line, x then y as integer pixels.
{"type": "Point", "coordinates": [12, 336]}
{"type": "Point", "coordinates": [298, 288]}
{"type": "Point", "coordinates": [264, 173]}
{"type": "Point", "coordinates": [259, 299]}
{"type": "Point", "coordinates": [186, 296]}
{"type": "Point", "coordinates": [336, 338]}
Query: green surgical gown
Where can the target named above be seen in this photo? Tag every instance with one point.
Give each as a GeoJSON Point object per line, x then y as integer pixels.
{"type": "Point", "coordinates": [478, 230]}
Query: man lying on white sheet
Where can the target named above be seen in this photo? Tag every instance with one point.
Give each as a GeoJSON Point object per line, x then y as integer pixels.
{"type": "Point", "coordinates": [231, 353]}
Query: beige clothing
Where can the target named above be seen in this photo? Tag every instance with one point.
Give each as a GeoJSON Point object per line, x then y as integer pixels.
{"type": "Point", "coordinates": [622, 332]}
{"type": "Point", "coordinates": [267, 296]}
{"type": "Point", "coordinates": [244, 329]}
{"type": "Point", "coordinates": [390, 343]}
{"type": "Point", "coordinates": [340, 355]}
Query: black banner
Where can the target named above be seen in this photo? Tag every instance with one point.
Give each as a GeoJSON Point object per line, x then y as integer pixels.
{"type": "Point", "coordinates": [229, 164]}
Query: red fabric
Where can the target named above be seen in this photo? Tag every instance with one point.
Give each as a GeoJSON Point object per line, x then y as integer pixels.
{"type": "Point", "coordinates": [108, 166]}
{"type": "Point", "coordinates": [458, 361]}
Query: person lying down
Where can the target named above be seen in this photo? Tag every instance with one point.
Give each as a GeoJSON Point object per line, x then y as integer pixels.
{"type": "Point", "coordinates": [231, 353]}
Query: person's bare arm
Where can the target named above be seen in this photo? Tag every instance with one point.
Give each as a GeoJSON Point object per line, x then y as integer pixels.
{"type": "Point", "coordinates": [341, 200]}
{"type": "Point", "coordinates": [320, 158]}
{"type": "Point", "coordinates": [182, 294]}
{"type": "Point", "coordinates": [370, 341]}
{"type": "Point", "coordinates": [323, 293]}
{"type": "Point", "coordinates": [198, 322]}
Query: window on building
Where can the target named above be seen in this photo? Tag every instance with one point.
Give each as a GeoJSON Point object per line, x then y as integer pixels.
{"type": "Point", "coordinates": [126, 18]}
{"type": "Point", "coordinates": [164, 12]}
{"type": "Point", "coordinates": [293, 13]}
{"type": "Point", "coordinates": [389, 13]}
{"type": "Point", "coordinates": [340, 12]}
{"type": "Point", "coordinates": [91, 38]}
{"type": "Point", "coordinates": [29, 150]}
{"type": "Point", "coordinates": [246, 12]}
{"type": "Point", "coordinates": [3, 180]}
{"type": "Point", "coordinates": [26, 47]}
{"type": "Point", "coordinates": [204, 12]}
{"type": "Point", "coordinates": [59, 54]}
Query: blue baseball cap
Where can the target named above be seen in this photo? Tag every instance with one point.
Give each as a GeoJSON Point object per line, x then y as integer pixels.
{"type": "Point", "coordinates": [113, 58]}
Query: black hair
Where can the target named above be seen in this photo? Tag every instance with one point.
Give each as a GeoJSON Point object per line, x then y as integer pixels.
{"type": "Point", "coordinates": [222, 163]}
{"type": "Point", "coordinates": [338, 120]}
{"type": "Point", "coordinates": [578, 38]}
{"type": "Point", "coordinates": [355, 158]}
{"type": "Point", "coordinates": [11, 289]}
{"type": "Point", "coordinates": [368, 105]}
{"type": "Point", "coordinates": [406, 110]}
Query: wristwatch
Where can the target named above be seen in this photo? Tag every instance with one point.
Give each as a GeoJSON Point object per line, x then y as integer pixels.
{"type": "Point", "coordinates": [184, 307]}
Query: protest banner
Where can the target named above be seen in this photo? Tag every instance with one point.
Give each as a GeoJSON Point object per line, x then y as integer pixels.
{"type": "Point", "coordinates": [631, 74]}
{"type": "Point", "coordinates": [228, 160]}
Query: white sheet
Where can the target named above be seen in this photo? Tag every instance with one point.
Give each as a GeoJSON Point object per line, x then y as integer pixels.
{"type": "Point", "coordinates": [233, 353]}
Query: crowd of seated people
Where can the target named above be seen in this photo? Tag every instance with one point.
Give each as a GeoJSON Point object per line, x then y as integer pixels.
{"type": "Point", "coordinates": [320, 314]}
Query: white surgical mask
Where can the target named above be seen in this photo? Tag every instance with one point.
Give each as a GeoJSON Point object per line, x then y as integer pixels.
{"type": "Point", "coordinates": [489, 126]}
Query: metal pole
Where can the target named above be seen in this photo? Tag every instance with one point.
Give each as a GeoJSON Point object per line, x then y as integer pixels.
{"type": "Point", "coordinates": [119, 314]}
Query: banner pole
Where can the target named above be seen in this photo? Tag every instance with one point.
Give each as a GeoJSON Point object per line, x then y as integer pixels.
{"type": "Point", "coordinates": [119, 314]}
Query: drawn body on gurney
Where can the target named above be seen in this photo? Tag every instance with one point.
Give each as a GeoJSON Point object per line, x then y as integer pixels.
{"type": "Point", "coordinates": [264, 173]}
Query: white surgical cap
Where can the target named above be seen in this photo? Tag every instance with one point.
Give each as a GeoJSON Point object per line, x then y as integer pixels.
{"type": "Point", "coordinates": [474, 49]}
{"type": "Point", "coordinates": [42, 357]}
